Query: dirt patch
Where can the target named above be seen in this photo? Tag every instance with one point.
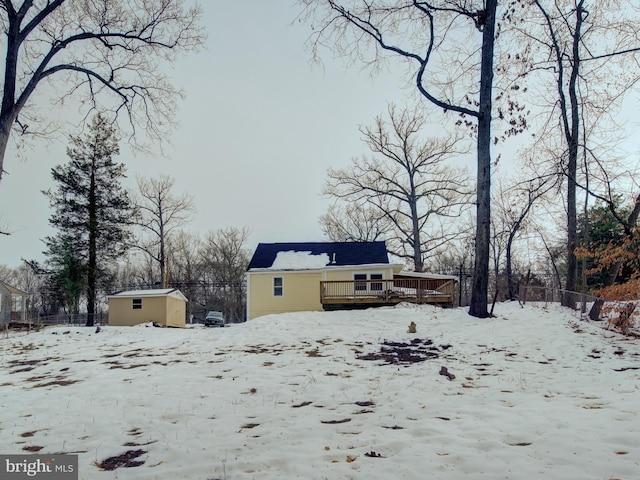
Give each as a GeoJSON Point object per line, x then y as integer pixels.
{"type": "Point", "coordinates": [249, 426]}
{"type": "Point", "coordinates": [32, 448]}
{"type": "Point", "coordinates": [401, 353]}
{"type": "Point", "coordinates": [335, 422]}
{"type": "Point", "coordinates": [126, 459]}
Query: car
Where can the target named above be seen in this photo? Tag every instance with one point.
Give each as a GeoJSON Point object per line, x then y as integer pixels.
{"type": "Point", "coordinates": [214, 319]}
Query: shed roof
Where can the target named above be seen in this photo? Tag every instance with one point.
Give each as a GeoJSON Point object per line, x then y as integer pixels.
{"type": "Point", "coordinates": [427, 276]}
{"type": "Point", "coordinates": [159, 292]}
{"type": "Point", "coordinates": [14, 290]}
{"type": "Point", "coordinates": [311, 255]}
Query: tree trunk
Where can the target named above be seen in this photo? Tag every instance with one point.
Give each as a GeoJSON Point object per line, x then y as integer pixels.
{"type": "Point", "coordinates": [92, 261]}
{"type": "Point", "coordinates": [480, 290]}
{"type": "Point", "coordinates": [417, 247]}
{"type": "Point", "coordinates": [511, 284]}
{"type": "Point", "coordinates": [572, 164]}
{"type": "Point", "coordinates": [8, 110]}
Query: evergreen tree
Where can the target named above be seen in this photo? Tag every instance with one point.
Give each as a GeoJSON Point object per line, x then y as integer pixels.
{"type": "Point", "coordinates": [91, 208]}
{"type": "Point", "coordinates": [67, 280]}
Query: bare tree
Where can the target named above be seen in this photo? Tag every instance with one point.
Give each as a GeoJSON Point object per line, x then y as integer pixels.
{"type": "Point", "coordinates": [160, 213]}
{"type": "Point", "coordinates": [186, 270]}
{"type": "Point", "coordinates": [104, 54]}
{"type": "Point", "coordinates": [406, 182]}
{"type": "Point", "coordinates": [355, 223]}
{"type": "Point", "coordinates": [579, 44]}
{"type": "Point", "coordinates": [454, 71]}
{"type": "Point", "coordinates": [224, 261]}
{"type": "Point", "coordinates": [512, 207]}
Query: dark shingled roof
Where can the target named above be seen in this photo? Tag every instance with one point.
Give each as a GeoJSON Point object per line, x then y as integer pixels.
{"type": "Point", "coordinates": [346, 253]}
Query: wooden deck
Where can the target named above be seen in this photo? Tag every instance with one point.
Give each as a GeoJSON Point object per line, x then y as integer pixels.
{"type": "Point", "coordinates": [370, 293]}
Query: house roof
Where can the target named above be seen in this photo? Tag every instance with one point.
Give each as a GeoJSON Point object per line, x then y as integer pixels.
{"type": "Point", "coordinates": [14, 290]}
{"type": "Point", "coordinates": [427, 276]}
{"type": "Point", "coordinates": [313, 255]}
{"type": "Point", "coordinates": [160, 292]}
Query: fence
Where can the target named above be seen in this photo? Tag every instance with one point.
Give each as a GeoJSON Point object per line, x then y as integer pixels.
{"type": "Point", "coordinates": [580, 303]}
{"type": "Point", "coordinates": [80, 319]}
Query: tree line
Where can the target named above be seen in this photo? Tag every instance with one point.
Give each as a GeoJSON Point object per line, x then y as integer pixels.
{"type": "Point", "coordinates": [108, 239]}
{"type": "Point", "coordinates": [544, 78]}
{"type": "Point", "coordinates": [537, 81]}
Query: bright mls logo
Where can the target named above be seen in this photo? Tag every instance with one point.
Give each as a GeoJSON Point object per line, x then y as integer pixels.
{"type": "Point", "coordinates": [50, 467]}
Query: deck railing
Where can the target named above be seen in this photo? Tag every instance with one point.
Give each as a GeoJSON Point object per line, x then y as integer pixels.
{"type": "Point", "coordinates": [388, 291]}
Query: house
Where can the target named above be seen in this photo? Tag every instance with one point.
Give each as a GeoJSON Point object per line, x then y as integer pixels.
{"type": "Point", "coordinates": [166, 307]}
{"type": "Point", "coordinates": [13, 304]}
{"type": "Point", "coordinates": [292, 277]}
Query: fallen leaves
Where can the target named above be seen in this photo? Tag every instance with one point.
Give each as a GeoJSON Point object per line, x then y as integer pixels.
{"type": "Point", "coordinates": [126, 459]}
{"type": "Point", "coordinates": [373, 454]}
{"type": "Point", "coordinates": [335, 422]}
{"type": "Point", "coordinates": [445, 373]}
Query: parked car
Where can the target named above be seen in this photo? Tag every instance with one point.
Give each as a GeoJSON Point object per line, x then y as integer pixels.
{"type": "Point", "coordinates": [214, 319]}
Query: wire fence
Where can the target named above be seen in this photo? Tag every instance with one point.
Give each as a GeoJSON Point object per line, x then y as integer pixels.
{"type": "Point", "coordinates": [62, 318]}
{"type": "Point", "coordinates": [579, 303]}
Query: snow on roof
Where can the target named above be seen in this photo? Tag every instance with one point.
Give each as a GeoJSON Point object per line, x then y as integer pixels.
{"type": "Point", "coordinates": [159, 292]}
{"type": "Point", "coordinates": [429, 276]}
{"type": "Point", "coordinates": [14, 290]}
{"type": "Point", "coordinates": [293, 260]}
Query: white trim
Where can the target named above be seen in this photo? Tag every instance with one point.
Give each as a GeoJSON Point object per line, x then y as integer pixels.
{"type": "Point", "coordinates": [248, 302]}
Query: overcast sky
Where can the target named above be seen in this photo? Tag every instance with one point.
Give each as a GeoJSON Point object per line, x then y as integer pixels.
{"type": "Point", "coordinates": [259, 128]}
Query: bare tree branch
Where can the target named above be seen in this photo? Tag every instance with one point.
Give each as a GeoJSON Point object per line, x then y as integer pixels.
{"type": "Point", "coordinates": [100, 50]}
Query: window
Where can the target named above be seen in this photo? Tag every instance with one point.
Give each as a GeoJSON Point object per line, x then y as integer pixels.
{"type": "Point", "coordinates": [278, 287]}
{"type": "Point", "coordinates": [137, 303]}
{"type": "Point", "coordinates": [363, 282]}
{"type": "Point", "coordinates": [360, 286]}
{"type": "Point", "coordinates": [375, 285]}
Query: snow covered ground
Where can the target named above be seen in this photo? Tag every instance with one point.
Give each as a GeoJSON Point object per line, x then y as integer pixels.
{"type": "Point", "coordinates": [536, 394]}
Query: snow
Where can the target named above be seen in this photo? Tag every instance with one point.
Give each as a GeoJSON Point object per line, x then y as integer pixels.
{"type": "Point", "coordinates": [536, 394]}
{"type": "Point", "coordinates": [293, 260]}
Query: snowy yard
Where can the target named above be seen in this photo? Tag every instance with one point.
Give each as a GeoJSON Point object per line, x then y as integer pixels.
{"type": "Point", "coordinates": [536, 394]}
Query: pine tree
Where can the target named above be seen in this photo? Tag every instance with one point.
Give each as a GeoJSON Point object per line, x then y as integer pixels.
{"type": "Point", "coordinates": [91, 208]}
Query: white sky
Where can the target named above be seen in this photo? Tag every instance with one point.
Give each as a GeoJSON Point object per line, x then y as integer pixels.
{"type": "Point", "coordinates": [536, 394]}
{"type": "Point", "coordinates": [259, 128]}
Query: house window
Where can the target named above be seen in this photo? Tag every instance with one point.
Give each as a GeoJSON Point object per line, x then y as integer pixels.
{"type": "Point", "coordinates": [375, 285]}
{"type": "Point", "coordinates": [278, 286]}
{"type": "Point", "coordinates": [360, 286]}
{"type": "Point", "coordinates": [137, 303]}
{"type": "Point", "coordinates": [363, 282]}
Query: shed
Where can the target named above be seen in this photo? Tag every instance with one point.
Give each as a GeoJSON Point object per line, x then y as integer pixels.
{"type": "Point", "coordinates": [13, 304]}
{"type": "Point", "coordinates": [166, 307]}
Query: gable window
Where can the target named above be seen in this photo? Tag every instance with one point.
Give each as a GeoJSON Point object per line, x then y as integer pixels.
{"type": "Point", "coordinates": [136, 303]}
{"type": "Point", "coordinates": [278, 286]}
